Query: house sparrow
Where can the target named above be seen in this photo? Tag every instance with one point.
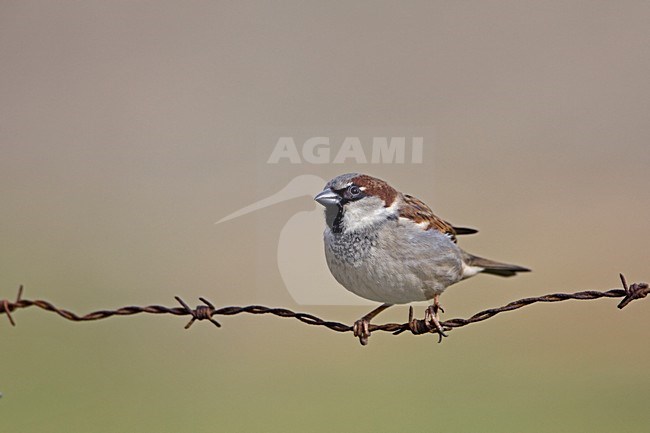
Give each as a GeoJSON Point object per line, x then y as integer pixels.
{"type": "Point", "coordinates": [389, 247]}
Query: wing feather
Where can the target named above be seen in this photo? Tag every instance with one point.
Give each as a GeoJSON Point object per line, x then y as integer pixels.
{"type": "Point", "coordinates": [415, 210]}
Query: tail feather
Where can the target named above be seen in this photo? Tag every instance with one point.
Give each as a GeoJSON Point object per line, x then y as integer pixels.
{"type": "Point", "coordinates": [464, 230]}
{"type": "Point", "coordinates": [492, 267]}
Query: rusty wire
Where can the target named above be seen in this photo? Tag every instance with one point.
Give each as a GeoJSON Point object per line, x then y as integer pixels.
{"type": "Point", "coordinates": [415, 326]}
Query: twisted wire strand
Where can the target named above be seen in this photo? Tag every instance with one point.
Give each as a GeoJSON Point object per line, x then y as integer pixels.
{"type": "Point", "coordinates": [207, 311]}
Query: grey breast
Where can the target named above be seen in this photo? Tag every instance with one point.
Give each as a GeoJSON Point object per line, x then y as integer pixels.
{"type": "Point", "coordinates": [350, 248]}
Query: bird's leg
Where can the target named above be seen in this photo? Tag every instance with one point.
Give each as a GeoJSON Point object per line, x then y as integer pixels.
{"type": "Point", "coordinates": [432, 317]}
{"type": "Point", "coordinates": [436, 306]}
{"type": "Point", "coordinates": [361, 327]}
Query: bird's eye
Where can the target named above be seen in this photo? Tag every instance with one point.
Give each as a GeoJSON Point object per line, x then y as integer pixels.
{"type": "Point", "coordinates": [354, 190]}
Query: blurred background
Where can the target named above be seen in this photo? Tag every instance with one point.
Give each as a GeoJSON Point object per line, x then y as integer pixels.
{"type": "Point", "coordinates": [128, 128]}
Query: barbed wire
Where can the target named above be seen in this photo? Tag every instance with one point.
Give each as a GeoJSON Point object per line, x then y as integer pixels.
{"type": "Point", "coordinates": [207, 311]}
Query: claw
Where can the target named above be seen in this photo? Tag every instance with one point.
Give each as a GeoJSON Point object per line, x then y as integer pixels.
{"type": "Point", "coordinates": [431, 319]}
{"type": "Point", "coordinates": [361, 329]}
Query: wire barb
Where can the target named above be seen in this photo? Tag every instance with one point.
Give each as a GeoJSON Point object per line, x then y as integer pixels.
{"type": "Point", "coordinates": [201, 312]}
{"type": "Point", "coordinates": [416, 326]}
{"type": "Point", "coordinates": [635, 291]}
{"type": "Point", "coordinates": [7, 307]}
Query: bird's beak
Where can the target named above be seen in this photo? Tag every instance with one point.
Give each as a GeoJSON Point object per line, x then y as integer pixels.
{"type": "Point", "coordinates": [327, 197]}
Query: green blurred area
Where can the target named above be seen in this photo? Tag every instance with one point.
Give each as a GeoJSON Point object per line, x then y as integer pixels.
{"type": "Point", "coordinates": [265, 374]}
{"type": "Point", "coordinates": [128, 128]}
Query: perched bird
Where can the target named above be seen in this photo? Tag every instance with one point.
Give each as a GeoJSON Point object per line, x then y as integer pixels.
{"type": "Point", "coordinates": [389, 247]}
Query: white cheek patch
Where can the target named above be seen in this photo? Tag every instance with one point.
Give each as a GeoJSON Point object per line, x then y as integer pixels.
{"type": "Point", "coordinates": [366, 213]}
{"type": "Point", "coordinates": [359, 219]}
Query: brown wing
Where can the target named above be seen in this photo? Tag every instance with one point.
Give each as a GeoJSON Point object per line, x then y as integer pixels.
{"type": "Point", "coordinates": [419, 212]}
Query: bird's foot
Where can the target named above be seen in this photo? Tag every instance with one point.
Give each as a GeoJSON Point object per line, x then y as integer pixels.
{"type": "Point", "coordinates": [361, 329]}
{"type": "Point", "coordinates": [431, 319]}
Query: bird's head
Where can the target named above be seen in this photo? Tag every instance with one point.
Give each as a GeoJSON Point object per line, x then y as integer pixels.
{"type": "Point", "coordinates": [356, 202]}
